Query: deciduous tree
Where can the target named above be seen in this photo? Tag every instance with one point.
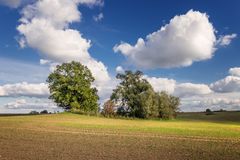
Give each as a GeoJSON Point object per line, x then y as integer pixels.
{"type": "Point", "coordinates": [71, 88]}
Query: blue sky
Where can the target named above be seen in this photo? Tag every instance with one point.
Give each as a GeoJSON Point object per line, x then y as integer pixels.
{"type": "Point", "coordinates": [201, 75]}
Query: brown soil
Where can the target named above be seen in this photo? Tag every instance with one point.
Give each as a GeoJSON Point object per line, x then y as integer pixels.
{"type": "Point", "coordinates": [57, 144]}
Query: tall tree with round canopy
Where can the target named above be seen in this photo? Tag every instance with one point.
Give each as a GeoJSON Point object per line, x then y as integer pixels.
{"type": "Point", "coordinates": [71, 88]}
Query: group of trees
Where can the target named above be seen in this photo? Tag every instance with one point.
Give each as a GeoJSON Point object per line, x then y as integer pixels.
{"type": "Point", "coordinates": [71, 88]}
{"type": "Point", "coordinates": [42, 112]}
{"type": "Point", "coordinates": [135, 97]}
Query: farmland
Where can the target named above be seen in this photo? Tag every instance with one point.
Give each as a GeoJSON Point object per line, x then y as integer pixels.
{"type": "Point", "coordinates": [73, 136]}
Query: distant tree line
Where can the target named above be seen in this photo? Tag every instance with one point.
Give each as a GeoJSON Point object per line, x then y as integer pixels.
{"type": "Point", "coordinates": [41, 112]}
{"type": "Point", "coordinates": [71, 88]}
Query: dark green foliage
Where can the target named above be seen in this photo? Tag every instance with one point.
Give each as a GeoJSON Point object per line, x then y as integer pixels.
{"type": "Point", "coordinates": [167, 105]}
{"type": "Point", "coordinates": [209, 112]}
{"type": "Point", "coordinates": [34, 112]}
{"type": "Point", "coordinates": [130, 92]}
{"type": "Point", "coordinates": [44, 112]}
{"type": "Point", "coordinates": [70, 88]}
{"type": "Point", "coordinates": [136, 98]}
{"type": "Point", "coordinates": [220, 110]}
{"type": "Point", "coordinates": [122, 111]}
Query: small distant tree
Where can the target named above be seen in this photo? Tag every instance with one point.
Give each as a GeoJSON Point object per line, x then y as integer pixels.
{"type": "Point", "coordinates": [34, 112]}
{"type": "Point", "coordinates": [71, 88]}
{"type": "Point", "coordinates": [44, 112]}
{"type": "Point", "coordinates": [209, 112]}
{"type": "Point", "coordinates": [108, 109]}
{"type": "Point", "coordinates": [221, 110]}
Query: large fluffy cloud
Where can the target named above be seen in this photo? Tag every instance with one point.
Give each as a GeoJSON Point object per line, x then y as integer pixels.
{"type": "Point", "coordinates": [178, 89]}
{"type": "Point", "coordinates": [162, 84]}
{"type": "Point", "coordinates": [190, 89]}
{"type": "Point", "coordinates": [24, 89]}
{"type": "Point", "coordinates": [186, 39]}
{"type": "Point", "coordinates": [225, 94]}
{"type": "Point", "coordinates": [228, 84]}
{"type": "Point", "coordinates": [45, 27]}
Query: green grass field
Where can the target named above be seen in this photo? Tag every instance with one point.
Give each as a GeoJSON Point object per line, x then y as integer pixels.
{"type": "Point", "coordinates": [71, 136]}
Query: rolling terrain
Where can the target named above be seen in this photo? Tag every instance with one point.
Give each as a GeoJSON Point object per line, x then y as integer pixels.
{"type": "Point", "coordinates": [73, 136]}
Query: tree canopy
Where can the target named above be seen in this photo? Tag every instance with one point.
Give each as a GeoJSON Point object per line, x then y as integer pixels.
{"type": "Point", "coordinates": [136, 98]}
{"type": "Point", "coordinates": [129, 93]}
{"type": "Point", "coordinates": [71, 88]}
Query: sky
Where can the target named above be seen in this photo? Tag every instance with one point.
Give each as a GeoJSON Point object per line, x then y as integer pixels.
{"type": "Point", "coordinates": [188, 48]}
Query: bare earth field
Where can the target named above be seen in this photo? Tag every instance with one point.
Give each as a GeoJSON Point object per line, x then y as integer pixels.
{"type": "Point", "coordinates": [71, 136]}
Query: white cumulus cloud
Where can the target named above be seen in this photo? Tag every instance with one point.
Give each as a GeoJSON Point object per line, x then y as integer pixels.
{"type": "Point", "coordinates": [226, 40]}
{"type": "Point", "coordinates": [178, 89]}
{"type": "Point", "coordinates": [45, 27]}
{"type": "Point", "coordinates": [24, 89]}
{"type": "Point", "coordinates": [186, 39]}
{"type": "Point", "coordinates": [228, 84]}
{"type": "Point", "coordinates": [162, 84]}
{"type": "Point", "coordinates": [191, 89]}
{"type": "Point", "coordinates": [16, 103]}
{"type": "Point", "coordinates": [235, 71]}
{"type": "Point", "coordinates": [44, 61]}
{"type": "Point", "coordinates": [27, 104]}
{"type": "Point", "coordinates": [119, 69]}
{"type": "Point", "coordinates": [223, 94]}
